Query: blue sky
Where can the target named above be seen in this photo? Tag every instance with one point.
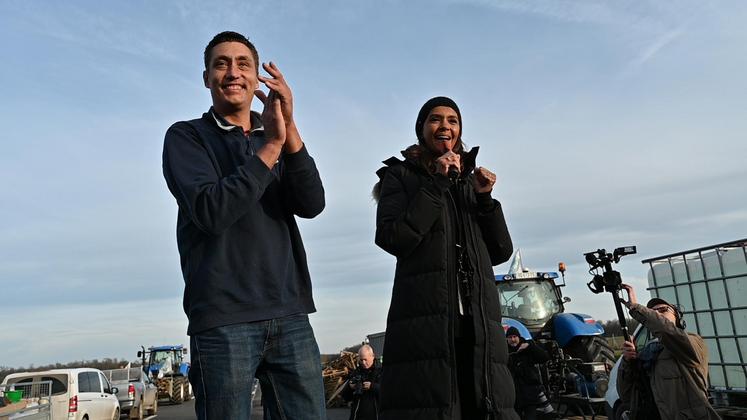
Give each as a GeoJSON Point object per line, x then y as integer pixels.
{"type": "Point", "coordinates": [608, 123]}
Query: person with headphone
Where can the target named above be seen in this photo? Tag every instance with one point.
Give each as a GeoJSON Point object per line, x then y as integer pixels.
{"type": "Point", "coordinates": [668, 377]}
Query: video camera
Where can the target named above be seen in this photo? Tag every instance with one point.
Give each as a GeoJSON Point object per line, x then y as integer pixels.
{"type": "Point", "coordinates": [357, 380]}
{"type": "Point", "coordinates": [609, 280]}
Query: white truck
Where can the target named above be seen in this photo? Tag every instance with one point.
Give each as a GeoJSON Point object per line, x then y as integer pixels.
{"type": "Point", "coordinates": [710, 285]}
{"type": "Point", "coordinates": [137, 395]}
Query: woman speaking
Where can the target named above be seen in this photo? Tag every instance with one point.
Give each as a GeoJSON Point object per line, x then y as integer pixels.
{"type": "Point", "coordinates": [445, 351]}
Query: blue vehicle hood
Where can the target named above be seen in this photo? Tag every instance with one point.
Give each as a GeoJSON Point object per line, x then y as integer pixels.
{"type": "Point", "coordinates": [567, 326]}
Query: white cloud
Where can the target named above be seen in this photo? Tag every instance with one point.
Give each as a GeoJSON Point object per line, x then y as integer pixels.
{"type": "Point", "coordinates": [94, 30]}
{"type": "Point", "coordinates": [652, 49]}
{"type": "Point", "coordinates": [649, 25]}
{"type": "Point", "coordinates": [730, 218]}
{"type": "Point", "coordinates": [625, 13]}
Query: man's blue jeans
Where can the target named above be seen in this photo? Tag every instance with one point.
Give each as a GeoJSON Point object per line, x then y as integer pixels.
{"type": "Point", "coordinates": [282, 353]}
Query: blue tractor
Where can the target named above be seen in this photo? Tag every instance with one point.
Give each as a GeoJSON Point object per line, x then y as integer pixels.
{"type": "Point", "coordinates": [580, 358]}
{"type": "Point", "coordinates": [166, 366]}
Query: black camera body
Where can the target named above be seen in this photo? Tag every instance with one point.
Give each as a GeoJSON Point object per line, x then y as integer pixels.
{"type": "Point", "coordinates": [609, 280]}
{"type": "Point", "coordinates": [357, 379]}
{"type": "Point", "coordinates": [358, 389]}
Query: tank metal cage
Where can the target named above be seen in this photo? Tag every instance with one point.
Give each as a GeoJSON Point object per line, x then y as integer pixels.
{"type": "Point", "coordinates": [710, 286]}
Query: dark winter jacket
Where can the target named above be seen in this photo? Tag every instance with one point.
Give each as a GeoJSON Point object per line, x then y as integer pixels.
{"type": "Point", "coordinates": [523, 367]}
{"type": "Point", "coordinates": [416, 223]}
{"type": "Point", "coordinates": [679, 375]}
{"type": "Point", "coordinates": [241, 252]}
{"type": "Point", "coordinates": [365, 402]}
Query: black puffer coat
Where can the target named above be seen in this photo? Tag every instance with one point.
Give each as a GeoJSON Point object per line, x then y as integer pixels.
{"type": "Point", "coordinates": [415, 223]}
{"type": "Point", "coordinates": [365, 405]}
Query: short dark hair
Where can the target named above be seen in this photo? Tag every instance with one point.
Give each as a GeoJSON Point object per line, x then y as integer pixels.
{"type": "Point", "coordinates": [229, 36]}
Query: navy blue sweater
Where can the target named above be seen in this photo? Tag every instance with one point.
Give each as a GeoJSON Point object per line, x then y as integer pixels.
{"type": "Point", "coordinates": [241, 252]}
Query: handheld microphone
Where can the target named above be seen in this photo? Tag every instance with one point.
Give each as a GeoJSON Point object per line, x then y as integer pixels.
{"type": "Point", "coordinates": [453, 174]}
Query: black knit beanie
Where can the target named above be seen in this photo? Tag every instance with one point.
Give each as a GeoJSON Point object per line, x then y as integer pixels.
{"type": "Point", "coordinates": [513, 331]}
{"type": "Point", "coordinates": [426, 109]}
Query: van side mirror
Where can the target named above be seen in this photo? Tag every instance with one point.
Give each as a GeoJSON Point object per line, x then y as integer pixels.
{"type": "Point", "coordinates": [114, 390]}
{"type": "Point", "coordinates": [566, 299]}
{"type": "Point", "coordinates": [184, 350]}
{"type": "Point", "coordinates": [139, 353]}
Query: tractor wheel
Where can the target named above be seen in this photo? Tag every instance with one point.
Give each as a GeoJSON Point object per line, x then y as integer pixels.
{"type": "Point", "coordinates": [154, 409]}
{"type": "Point", "coordinates": [137, 413]}
{"type": "Point", "coordinates": [591, 349]}
{"type": "Point", "coordinates": [622, 411]}
{"type": "Point", "coordinates": [177, 391]}
{"type": "Point", "coordinates": [188, 393]}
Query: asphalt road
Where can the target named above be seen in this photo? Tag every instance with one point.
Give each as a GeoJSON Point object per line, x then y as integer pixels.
{"type": "Point", "coordinates": [186, 411]}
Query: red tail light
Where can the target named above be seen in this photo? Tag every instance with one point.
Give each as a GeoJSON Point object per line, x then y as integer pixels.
{"type": "Point", "coordinates": [131, 392]}
{"type": "Point", "coordinates": [72, 406]}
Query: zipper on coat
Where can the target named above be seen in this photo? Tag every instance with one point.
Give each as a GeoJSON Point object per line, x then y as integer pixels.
{"type": "Point", "coordinates": [465, 228]}
{"type": "Point", "coordinates": [487, 399]}
{"type": "Point", "coordinates": [453, 296]}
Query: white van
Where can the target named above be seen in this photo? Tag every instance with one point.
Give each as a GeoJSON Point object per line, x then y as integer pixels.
{"type": "Point", "coordinates": [76, 394]}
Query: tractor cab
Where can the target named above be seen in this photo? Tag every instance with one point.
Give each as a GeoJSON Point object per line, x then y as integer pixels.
{"type": "Point", "coordinates": [531, 298]}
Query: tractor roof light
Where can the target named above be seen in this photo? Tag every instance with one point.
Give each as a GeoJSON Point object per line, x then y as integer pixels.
{"type": "Point", "coordinates": [527, 275]}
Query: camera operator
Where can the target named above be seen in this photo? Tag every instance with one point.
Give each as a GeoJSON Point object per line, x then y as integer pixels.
{"type": "Point", "coordinates": [363, 386]}
{"type": "Point", "coordinates": [668, 378]}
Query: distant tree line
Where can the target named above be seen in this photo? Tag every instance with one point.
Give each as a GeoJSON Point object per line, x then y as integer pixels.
{"type": "Point", "coordinates": [612, 327]}
{"type": "Point", "coordinates": [103, 364]}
